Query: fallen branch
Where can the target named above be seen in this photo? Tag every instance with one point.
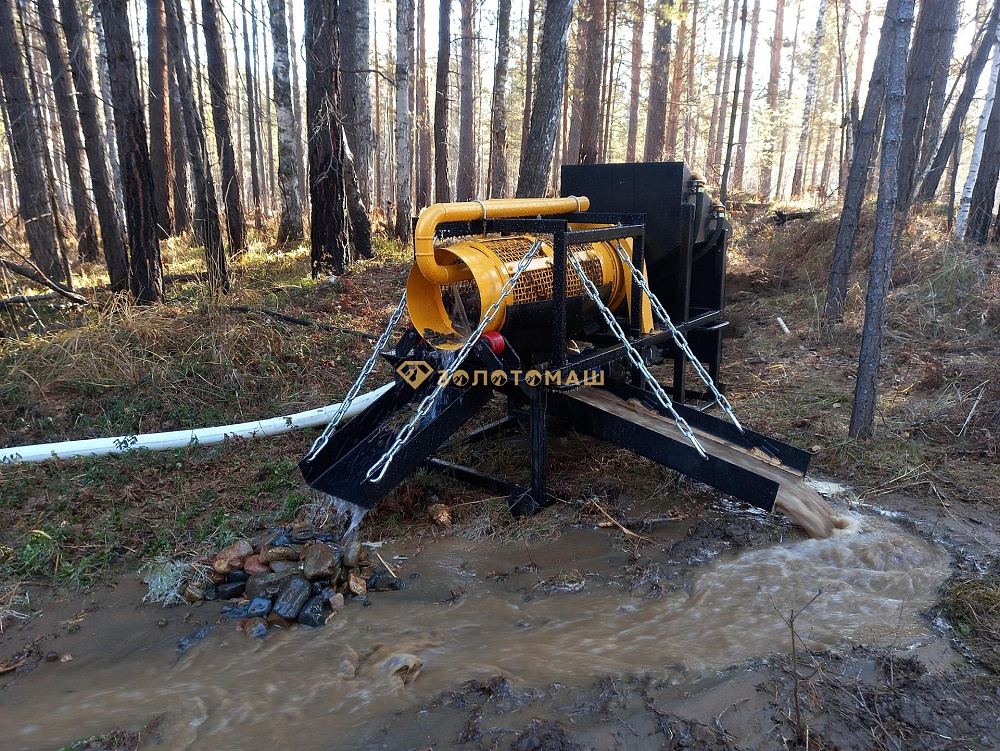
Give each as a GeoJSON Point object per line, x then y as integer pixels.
{"type": "Point", "coordinates": [387, 566]}
{"type": "Point", "coordinates": [11, 668]}
{"type": "Point", "coordinates": [36, 275]}
{"type": "Point", "coordinates": [629, 532]}
{"type": "Point", "coordinates": [27, 299]}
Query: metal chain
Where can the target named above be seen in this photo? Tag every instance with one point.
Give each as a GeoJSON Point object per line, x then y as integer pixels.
{"type": "Point", "coordinates": [679, 339]}
{"type": "Point", "coordinates": [378, 470]}
{"type": "Point", "coordinates": [369, 366]}
{"type": "Point", "coordinates": [635, 357]}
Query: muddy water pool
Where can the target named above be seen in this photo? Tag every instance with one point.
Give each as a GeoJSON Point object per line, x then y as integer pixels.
{"type": "Point", "coordinates": [558, 612]}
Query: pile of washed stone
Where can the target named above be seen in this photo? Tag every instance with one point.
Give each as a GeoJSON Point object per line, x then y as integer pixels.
{"type": "Point", "coordinates": [292, 577]}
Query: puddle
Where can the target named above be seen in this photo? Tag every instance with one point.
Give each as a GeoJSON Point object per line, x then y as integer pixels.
{"type": "Point", "coordinates": [477, 610]}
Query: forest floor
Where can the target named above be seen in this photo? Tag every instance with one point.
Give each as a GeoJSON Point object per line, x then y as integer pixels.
{"type": "Point", "coordinates": [68, 526]}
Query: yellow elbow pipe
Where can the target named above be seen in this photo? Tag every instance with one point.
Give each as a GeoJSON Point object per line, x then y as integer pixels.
{"type": "Point", "coordinates": [507, 208]}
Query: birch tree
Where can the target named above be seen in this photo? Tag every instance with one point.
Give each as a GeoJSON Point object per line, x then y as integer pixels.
{"type": "Point", "coordinates": [357, 102]}
{"type": "Point", "coordinates": [965, 202]}
{"type": "Point", "coordinates": [810, 104]}
{"type": "Point", "coordinates": [404, 149]}
{"type": "Point", "coordinates": [290, 218]}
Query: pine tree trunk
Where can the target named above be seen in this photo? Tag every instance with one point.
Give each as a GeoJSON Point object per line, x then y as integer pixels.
{"type": "Point", "coordinates": [360, 224]}
{"type": "Point", "coordinates": [498, 122]}
{"type": "Point", "coordinates": [356, 97]}
{"type": "Point", "coordinates": [218, 86]}
{"type": "Point", "coordinates": [330, 246]}
{"type": "Point", "coordinates": [404, 144]}
{"type": "Point", "coordinates": [69, 123]}
{"type": "Point", "coordinates": [592, 64]}
{"type": "Point", "coordinates": [854, 192]}
{"type": "Point", "coordinates": [974, 67]}
{"type": "Point", "coordinates": [866, 388]}
{"type": "Point", "coordinates": [547, 102]}
{"type": "Point", "coordinates": [939, 88]}
{"type": "Point", "coordinates": [724, 182]}
{"type": "Point", "coordinates": [529, 76]}
{"type": "Point", "coordinates": [719, 142]}
{"type": "Point", "coordinates": [676, 87]}
{"type": "Point", "coordinates": [810, 104]}
{"type": "Point", "coordinates": [290, 220]}
{"type": "Point", "coordinates": [718, 100]}
{"type": "Point", "coordinates": [638, 22]}
{"type": "Point", "coordinates": [159, 116]}
{"type": "Point", "coordinates": [422, 183]}
{"type": "Point", "coordinates": [26, 146]}
{"type": "Point", "coordinates": [108, 217]}
{"type": "Point", "coordinates": [741, 143]}
{"type": "Point", "coordinates": [969, 197]}
{"type": "Point", "coordinates": [929, 44]}
{"type": "Point", "coordinates": [178, 158]}
{"type": "Point", "coordinates": [442, 183]}
{"type": "Point", "coordinates": [207, 223]}
{"type": "Point", "coordinates": [465, 177]}
{"type": "Point", "coordinates": [691, 106]}
{"type": "Point", "coordinates": [851, 124]}
{"type": "Point", "coordinates": [252, 109]}
{"type": "Point", "coordinates": [133, 154]}
{"type": "Point", "coordinates": [656, 110]}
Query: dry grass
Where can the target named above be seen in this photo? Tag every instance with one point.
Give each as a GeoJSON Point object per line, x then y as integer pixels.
{"type": "Point", "coordinates": [973, 608]}
{"type": "Point", "coordinates": [938, 424]}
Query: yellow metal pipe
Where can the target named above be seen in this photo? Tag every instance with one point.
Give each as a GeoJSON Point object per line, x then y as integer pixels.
{"type": "Point", "coordinates": [506, 208]}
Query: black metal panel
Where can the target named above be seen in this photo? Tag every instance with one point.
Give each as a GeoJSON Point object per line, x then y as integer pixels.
{"type": "Point", "coordinates": [656, 189]}
{"type": "Point", "coordinates": [720, 474]}
{"type": "Point", "coordinates": [341, 468]}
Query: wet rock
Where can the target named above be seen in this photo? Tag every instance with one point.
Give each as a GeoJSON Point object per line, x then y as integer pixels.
{"type": "Point", "coordinates": [414, 575]}
{"type": "Point", "coordinates": [231, 558]}
{"type": "Point", "coordinates": [186, 642]}
{"type": "Point", "coordinates": [254, 566]}
{"type": "Point", "coordinates": [231, 590]}
{"type": "Point", "coordinates": [440, 514]}
{"type": "Point", "coordinates": [259, 607]}
{"type": "Point", "coordinates": [356, 583]}
{"type": "Point", "coordinates": [353, 553]}
{"type": "Point", "coordinates": [313, 613]}
{"type": "Point", "coordinates": [390, 584]}
{"type": "Point", "coordinates": [51, 656]}
{"type": "Point", "coordinates": [211, 592]}
{"type": "Point", "coordinates": [292, 598]}
{"type": "Point", "coordinates": [240, 611]}
{"type": "Point", "coordinates": [319, 561]}
{"type": "Point", "coordinates": [278, 553]}
{"type": "Point", "coordinates": [255, 627]}
{"type": "Point", "coordinates": [284, 566]}
{"type": "Point", "coordinates": [267, 585]}
{"type": "Point", "coordinates": [273, 619]}
{"type": "Point", "coordinates": [193, 593]}
{"type": "Point", "coordinates": [239, 575]}
{"type": "Point", "coordinates": [335, 599]}
{"type": "Point", "coordinates": [162, 622]}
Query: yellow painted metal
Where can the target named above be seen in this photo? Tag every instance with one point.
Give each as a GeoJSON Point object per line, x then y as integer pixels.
{"type": "Point", "coordinates": [450, 287]}
{"type": "Point", "coordinates": [436, 267]}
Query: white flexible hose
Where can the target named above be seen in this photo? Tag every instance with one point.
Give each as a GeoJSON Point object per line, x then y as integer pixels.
{"type": "Point", "coordinates": [183, 438]}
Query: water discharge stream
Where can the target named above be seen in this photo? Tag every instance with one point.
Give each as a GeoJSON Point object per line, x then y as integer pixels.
{"type": "Point", "coordinates": [478, 610]}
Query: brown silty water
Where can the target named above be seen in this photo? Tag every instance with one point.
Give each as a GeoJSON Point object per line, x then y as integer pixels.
{"type": "Point", "coordinates": [566, 611]}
